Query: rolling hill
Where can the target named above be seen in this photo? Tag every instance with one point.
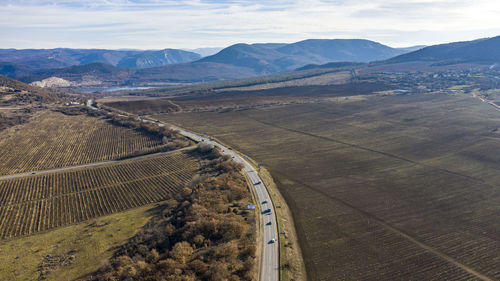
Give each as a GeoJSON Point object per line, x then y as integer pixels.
{"type": "Point", "coordinates": [13, 91]}
{"type": "Point", "coordinates": [481, 51]}
{"type": "Point", "coordinates": [273, 58]}
{"type": "Point", "coordinates": [14, 70]}
{"type": "Point", "coordinates": [105, 75]}
{"type": "Point", "coordinates": [259, 59]}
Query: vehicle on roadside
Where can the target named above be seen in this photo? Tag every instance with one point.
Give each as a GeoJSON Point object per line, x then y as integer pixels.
{"type": "Point", "coordinates": [272, 241]}
{"type": "Point", "coordinates": [267, 211]}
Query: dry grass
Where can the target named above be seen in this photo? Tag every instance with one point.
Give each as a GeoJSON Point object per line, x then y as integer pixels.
{"type": "Point", "coordinates": [91, 243]}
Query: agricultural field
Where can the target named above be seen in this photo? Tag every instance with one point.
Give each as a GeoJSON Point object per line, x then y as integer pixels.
{"type": "Point", "coordinates": [332, 78]}
{"type": "Point", "coordinates": [400, 187]}
{"type": "Point", "coordinates": [237, 99]}
{"type": "Point", "coordinates": [52, 140]}
{"type": "Point", "coordinates": [37, 203]}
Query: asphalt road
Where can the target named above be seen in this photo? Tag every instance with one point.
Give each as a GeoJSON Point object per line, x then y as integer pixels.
{"type": "Point", "coordinates": [269, 267]}
{"type": "Point", "coordinates": [269, 270]}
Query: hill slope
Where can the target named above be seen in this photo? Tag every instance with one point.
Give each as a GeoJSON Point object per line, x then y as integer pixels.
{"type": "Point", "coordinates": [14, 70]}
{"type": "Point", "coordinates": [258, 58]}
{"type": "Point", "coordinates": [272, 58]}
{"type": "Point", "coordinates": [476, 51]}
{"type": "Point", "coordinates": [13, 91]}
{"type": "Point", "coordinates": [353, 50]}
{"type": "Point", "coordinates": [104, 75]}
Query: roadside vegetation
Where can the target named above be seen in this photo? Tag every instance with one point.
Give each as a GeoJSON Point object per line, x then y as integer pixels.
{"type": "Point", "coordinates": [203, 233]}
{"type": "Point", "coordinates": [170, 139]}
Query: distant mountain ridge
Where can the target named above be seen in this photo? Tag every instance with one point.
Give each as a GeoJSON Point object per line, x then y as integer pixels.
{"type": "Point", "coordinates": [58, 58]}
{"type": "Point", "coordinates": [275, 57]}
{"type": "Point", "coordinates": [133, 67]}
{"type": "Point", "coordinates": [236, 61]}
{"type": "Point", "coordinates": [104, 75]}
{"type": "Point", "coordinates": [485, 50]}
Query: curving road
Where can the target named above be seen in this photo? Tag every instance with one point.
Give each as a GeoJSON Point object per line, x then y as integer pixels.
{"type": "Point", "coordinates": [269, 268]}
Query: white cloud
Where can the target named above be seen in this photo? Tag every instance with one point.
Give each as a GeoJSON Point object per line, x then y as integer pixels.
{"type": "Point", "coordinates": [155, 24]}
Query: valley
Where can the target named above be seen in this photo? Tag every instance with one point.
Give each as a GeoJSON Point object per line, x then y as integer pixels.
{"type": "Point", "coordinates": [356, 184]}
{"type": "Point", "coordinates": [321, 159]}
{"type": "Point", "coordinates": [388, 175]}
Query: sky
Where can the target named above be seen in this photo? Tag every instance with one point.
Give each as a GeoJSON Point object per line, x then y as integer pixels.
{"type": "Point", "coordinates": [189, 24]}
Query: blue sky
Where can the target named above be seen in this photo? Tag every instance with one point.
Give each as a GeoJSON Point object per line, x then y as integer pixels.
{"type": "Point", "coordinates": [158, 24]}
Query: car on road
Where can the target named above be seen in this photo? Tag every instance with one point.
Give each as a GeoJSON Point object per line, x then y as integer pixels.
{"type": "Point", "coordinates": [266, 211]}
{"type": "Point", "coordinates": [272, 241]}
{"type": "Point", "coordinates": [264, 202]}
{"type": "Point", "coordinates": [257, 183]}
{"type": "Point", "coordinates": [269, 223]}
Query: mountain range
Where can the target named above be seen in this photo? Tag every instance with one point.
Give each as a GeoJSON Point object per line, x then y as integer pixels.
{"type": "Point", "coordinates": [129, 67]}
{"type": "Point", "coordinates": [59, 58]}
{"type": "Point", "coordinates": [169, 65]}
{"type": "Point", "coordinates": [274, 58]}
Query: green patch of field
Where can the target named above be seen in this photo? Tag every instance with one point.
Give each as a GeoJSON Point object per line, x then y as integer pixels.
{"type": "Point", "coordinates": [392, 187]}
{"type": "Point", "coordinates": [90, 243]}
